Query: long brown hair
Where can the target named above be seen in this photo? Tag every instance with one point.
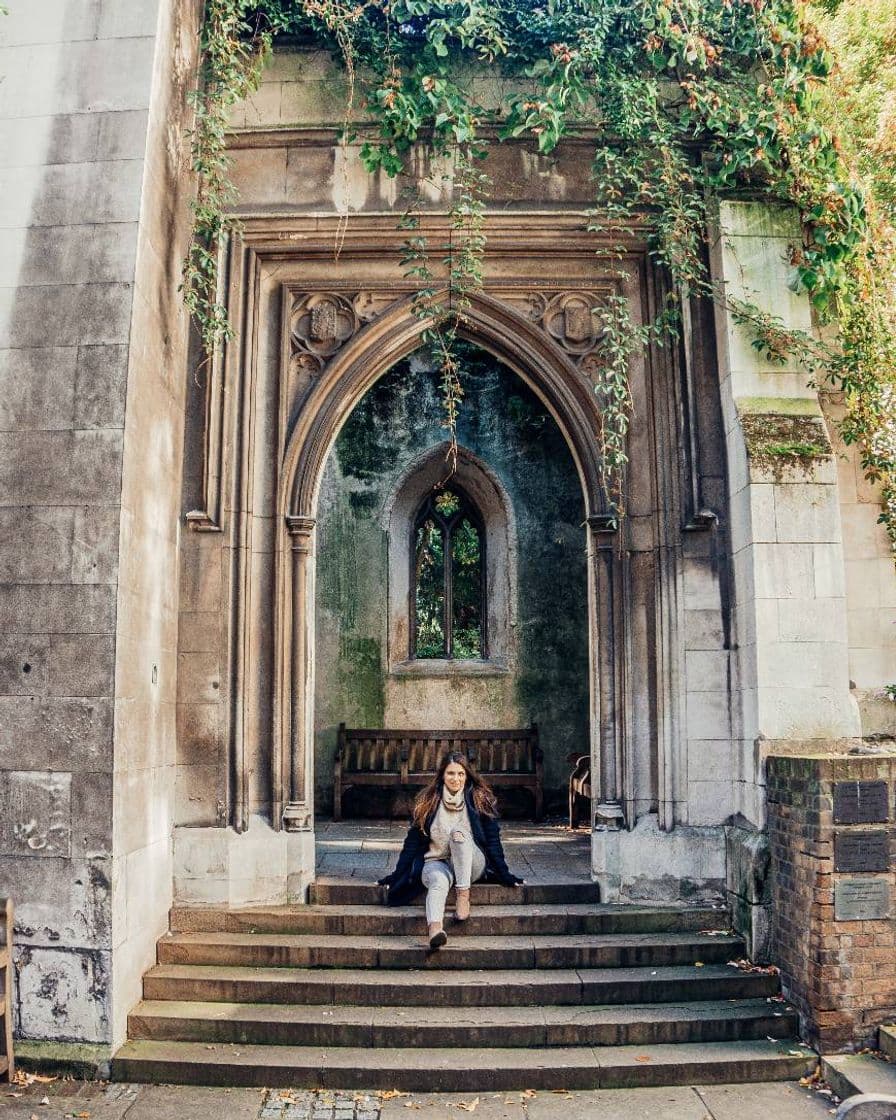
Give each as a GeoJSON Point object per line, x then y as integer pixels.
{"type": "Point", "coordinates": [427, 800]}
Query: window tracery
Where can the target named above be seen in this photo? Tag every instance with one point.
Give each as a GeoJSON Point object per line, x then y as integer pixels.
{"type": "Point", "coordinates": [448, 593]}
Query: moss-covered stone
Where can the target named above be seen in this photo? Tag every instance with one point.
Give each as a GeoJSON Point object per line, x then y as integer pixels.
{"type": "Point", "coordinates": [779, 442]}
{"type": "Point", "coordinates": [505, 425]}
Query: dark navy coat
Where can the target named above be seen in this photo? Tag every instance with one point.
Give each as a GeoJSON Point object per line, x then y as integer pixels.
{"type": "Point", "coordinates": [406, 881]}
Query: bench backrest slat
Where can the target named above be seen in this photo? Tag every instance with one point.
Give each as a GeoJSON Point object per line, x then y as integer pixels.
{"type": "Point", "coordinates": [502, 751]}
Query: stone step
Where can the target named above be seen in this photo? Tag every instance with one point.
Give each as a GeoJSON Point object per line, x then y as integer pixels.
{"type": "Point", "coordinates": [516, 952]}
{"type": "Point", "coordinates": [424, 1069]}
{"type": "Point", "coordinates": [857, 1074]}
{"type": "Point", "coordinates": [498, 921]}
{"type": "Point", "coordinates": [456, 987]}
{"type": "Point", "coordinates": [319, 1025]}
{"type": "Point", "coordinates": [347, 892]}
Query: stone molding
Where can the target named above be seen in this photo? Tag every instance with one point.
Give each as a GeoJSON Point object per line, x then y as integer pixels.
{"type": "Point", "coordinates": [313, 335]}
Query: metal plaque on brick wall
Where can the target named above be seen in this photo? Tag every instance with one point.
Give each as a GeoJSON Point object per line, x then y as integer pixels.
{"type": "Point", "coordinates": [861, 802]}
{"type": "Point", "coordinates": [861, 900]}
{"type": "Point", "coordinates": [868, 850]}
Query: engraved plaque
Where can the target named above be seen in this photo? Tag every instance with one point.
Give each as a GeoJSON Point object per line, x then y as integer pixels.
{"type": "Point", "coordinates": [862, 851]}
{"type": "Point", "coordinates": [861, 802]}
{"type": "Point", "coordinates": [861, 900]}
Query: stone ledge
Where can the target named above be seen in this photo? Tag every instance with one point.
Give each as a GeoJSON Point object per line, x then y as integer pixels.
{"type": "Point", "coordinates": [434, 667]}
{"type": "Point", "coordinates": [83, 1060]}
{"type": "Point", "coordinates": [851, 1074]}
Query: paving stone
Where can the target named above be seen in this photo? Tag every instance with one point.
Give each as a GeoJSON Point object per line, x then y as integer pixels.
{"type": "Point", "coordinates": [762, 1101]}
{"type": "Point", "coordinates": [618, 1104]}
{"type": "Point", "coordinates": [169, 1102]}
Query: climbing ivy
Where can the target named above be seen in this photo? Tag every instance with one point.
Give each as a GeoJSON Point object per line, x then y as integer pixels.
{"type": "Point", "coordinates": [687, 101]}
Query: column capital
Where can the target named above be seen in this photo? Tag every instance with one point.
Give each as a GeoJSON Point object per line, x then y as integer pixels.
{"type": "Point", "coordinates": [603, 522]}
{"type": "Point", "coordinates": [300, 530]}
{"type": "Point", "coordinates": [298, 525]}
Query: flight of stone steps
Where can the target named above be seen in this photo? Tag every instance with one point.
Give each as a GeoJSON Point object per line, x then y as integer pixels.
{"type": "Point", "coordinates": [543, 988]}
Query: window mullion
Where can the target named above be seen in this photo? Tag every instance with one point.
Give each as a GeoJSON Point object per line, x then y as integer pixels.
{"type": "Point", "coordinates": [449, 593]}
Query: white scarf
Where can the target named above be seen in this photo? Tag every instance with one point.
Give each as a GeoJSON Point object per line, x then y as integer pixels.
{"type": "Point", "coordinates": [453, 802]}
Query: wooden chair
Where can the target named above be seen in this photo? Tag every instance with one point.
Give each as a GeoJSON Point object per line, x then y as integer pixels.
{"type": "Point", "coordinates": [579, 785]}
{"type": "Point", "coordinates": [7, 1063]}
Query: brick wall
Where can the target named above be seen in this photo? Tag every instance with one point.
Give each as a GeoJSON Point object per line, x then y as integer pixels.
{"type": "Point", "coordinates": [840, 975]}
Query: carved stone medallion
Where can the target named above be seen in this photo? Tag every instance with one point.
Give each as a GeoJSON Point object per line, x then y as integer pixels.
{"type": "Point", "coordinates": [570, 320]}
{"type": "Point", "coordinates": [320, 324]}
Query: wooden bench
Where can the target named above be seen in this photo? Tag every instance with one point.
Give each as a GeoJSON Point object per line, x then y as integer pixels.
{"type": "Point", "coordinates": [7, 1065]}
{"type": "Point", "coordinates": [408, 760]}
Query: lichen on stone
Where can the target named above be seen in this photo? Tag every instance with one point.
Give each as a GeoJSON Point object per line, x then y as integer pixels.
{"type": "Point", "coordinates": [778, 441]}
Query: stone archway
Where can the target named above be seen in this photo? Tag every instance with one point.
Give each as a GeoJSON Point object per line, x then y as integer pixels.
{"type": "Point", "coordinates": [568, 397]}
{"type": "Point", "coordinates": [314, 334]}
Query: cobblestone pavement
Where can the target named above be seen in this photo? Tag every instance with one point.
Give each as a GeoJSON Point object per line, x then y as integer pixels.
{"type": "Point", "coordinates": [318, 1104]}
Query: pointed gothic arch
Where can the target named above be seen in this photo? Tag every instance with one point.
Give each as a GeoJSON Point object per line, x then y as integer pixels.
{"type": "Point", "coordinates": [569, 397]}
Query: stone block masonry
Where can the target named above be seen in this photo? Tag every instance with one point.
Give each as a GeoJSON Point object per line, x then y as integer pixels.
{"type": "Point", "coordinates": [833, 858]}
{"type": "Point", "coordinates": [93, 225]}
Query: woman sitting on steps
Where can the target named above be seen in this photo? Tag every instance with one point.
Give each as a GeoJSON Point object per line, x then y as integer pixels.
{"type": "Point", "coordinates": [454, 838]}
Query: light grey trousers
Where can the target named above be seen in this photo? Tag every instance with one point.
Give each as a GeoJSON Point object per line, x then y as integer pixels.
{"type": "Point", "coordinates": [465, 866]}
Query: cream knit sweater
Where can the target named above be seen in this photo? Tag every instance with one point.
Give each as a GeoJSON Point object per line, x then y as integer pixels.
{"type": "Point", "coordinates": [446, 820]}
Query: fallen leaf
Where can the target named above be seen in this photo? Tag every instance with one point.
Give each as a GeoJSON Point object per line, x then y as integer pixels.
{"type": "Point", "coordinates": [642, 1058]}
{"type": "Point", "coordinates": [390, 1094]}
{"type": "Point", "coordinates": [411, 1104]}
{"type": "Point", "coordinates": [527, 1094]}
{"type": "Point", "coordinates": [468, 1107]}
{"type": "Point", "coordinates": [698, 964]}
{"type": "Point", "coordinates": [44, 1100]}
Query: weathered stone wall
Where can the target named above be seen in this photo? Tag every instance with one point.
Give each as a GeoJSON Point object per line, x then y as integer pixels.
{"type": "Point", "coordinates": [150, 523]}
{"type": "Point", "coordinates": [90, 116]}
{"type": "Point", "coordinates": [870, 590]}
{"type": "Point", "coordinates": [791, 679]}
{"type": "Point", "coordinates": [545, 680]}
{"type": "Point", "coordinates": [841, 975]}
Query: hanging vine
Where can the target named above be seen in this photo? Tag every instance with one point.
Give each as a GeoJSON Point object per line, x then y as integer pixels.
{"type": "Point", "coordinates": [688, 100]}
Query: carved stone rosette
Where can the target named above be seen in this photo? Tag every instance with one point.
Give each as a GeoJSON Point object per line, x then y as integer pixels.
{"type": "Point", "coordinates": [569, 318]}
{"type": "Point", "coordinates": [320, 324]}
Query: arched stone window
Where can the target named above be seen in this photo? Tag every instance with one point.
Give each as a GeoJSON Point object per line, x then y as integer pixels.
{"type": "Point", "coordinates": [448, 590]}
{"type": "Point", "coordinates": [475, 530]}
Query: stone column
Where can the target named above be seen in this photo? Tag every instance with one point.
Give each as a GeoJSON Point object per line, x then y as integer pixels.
{"type": "Point", "coordinates": [606, 706]}
{"type": "Point", "coordinates": [297, 813]}
{"type": "Point", "coordinates": [607, 770]}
